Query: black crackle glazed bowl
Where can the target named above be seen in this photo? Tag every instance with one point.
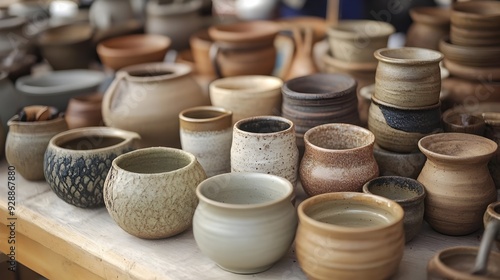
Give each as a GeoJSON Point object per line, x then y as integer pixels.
{"type": "Point", "coordinates": [398, 129]}
{"type": "Point", "coordinates": [77, 162]}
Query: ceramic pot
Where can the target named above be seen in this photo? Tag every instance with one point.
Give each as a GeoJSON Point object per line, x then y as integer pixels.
{"type": "Point", "coordinates": [302, 61]}
{"type": "Point", "coordinates": [77, 162]}
{"type": "Point", "coordinates": [174, 19]}
{"type": "Point", "coordinates": [472, 72]}
{"type": "Point", "coordinates": [67, 46]}
{"type": "Point", "coordinates": [429, 26]}
{"type": "Point", "coordinates": [458, 262]}
{"type": "Point", "coordinates": [84, 111]}
{"type": "Point", "coordinates": [128, 50]}
{"type": "Point", "coordinates": [492, 131]}
{"type": "Point", "coordinates": [349, 235]}
{"type": "Point", "coordinates": [474, 38]}
{"type": "Point", "coordinates": [11, 101]}
{"type": "Point", "coordinates": [408, 77]}
{"type": "Point", "coordinates": [265, 144]}
{"type": "Point", "coordinates": [150, 193]}
{"type": "Point", "coordinates": [200, 43]}
{"type": "Point", "coordinates": [493, 213]}
{"type": "Point", "coordinates": [317, 99]}
{"type": "Point", "coordinates": [26, 144]}
{"type": "Point", "coordinates": [56, 88]}
{"type": "Point", "coordinates": [243, 48]}
{"type": "Point", "coordinates": [104, 14]}
{"type": "Point", "coordinates": [338, 157]}
{"type": "Point", "coordinates": [136, 101]}
{"type": "Point", "coordinates": [356, 40]}
{"type": "Point", "coordinates": [458, 184]}
{"type": "Point", "coordinates": [244, 221]}
{"type": "Point", "coordinates": [470, 56]}
{"type": "Point", "coordinates": [407, 192]}
{"type": "Point", "coordinates": [475, 23]}
{"type": "Point", "coordinates": [455, 121]}
{"type": "Point", "coordinates": [398, 129]}
{"type": "Point", "coordinates": [398, 164]}
{"type": "Point", "coordinates": [247, 96]}
{"type": "Point", "coordinates": [207, 132]}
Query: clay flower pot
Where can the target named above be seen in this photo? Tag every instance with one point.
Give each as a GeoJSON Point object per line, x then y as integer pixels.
{"type": "Point", "coordinates": [26, 144]}
{"type": "Point", "coordinates": [77, 162]}
{"type": "Point", "coordinates": [457, 180]}
{"type": "Point", "coordinates": [151, 193]}
{"type": "Point", "coordinates": [408, 193]}
{"type": "Point", "coordinates": [338, 157]}
{"type": "Point", "coordinates": [127, 50]}
{"type": "Point", "coordinates": [244, 221]}
{"type": "Point", "coordinates": [356, 40]}
{"type": "Point", "coordinates": [408, 77]}
{"type": "Point", "coordinates": [349, 236]}
{"type": "Point", "coordinates": [430, 24]}
{"type": "Point", "coordinates": [458, 263]}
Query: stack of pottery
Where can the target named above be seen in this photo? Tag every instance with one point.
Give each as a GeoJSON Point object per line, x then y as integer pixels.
{"type": "Point", "coordinates": [351, 47]}
{"type": "Point", "coordinates": [405, 104]}
{"type": "Point", "coordinates": [243, 48]}
{"type": "Point", "coordinates": [317, 99]}
{"type": "Point", "coordinates": [430, 25]}
{"type": "Point", "coordinates": [471, 53]}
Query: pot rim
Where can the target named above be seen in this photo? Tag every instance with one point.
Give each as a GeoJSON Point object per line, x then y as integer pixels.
{"type": "Point", "coordinates": [423, 145]}
{"type": "Point", "coordinates": [290, 128]}
{"type": "Point", "coordinates": [175, 70]}
{"type": "Point", "coordinates": [152, 151]}
{"type": "Point", "coordinates": [457, 10]}
{"type": "Point", "coordinates": [382, 202]}
{"type": "Point", "coordinates": [492, 211]}
{"type": "Point", "coordinates": [93, 133]}
{"type": "Point", "coordinates": [224, 84]}
{"type": "Point", "coordinates": [330, 78]}
{"type": "Point", "coordinates": [351, 127]}
{"type": "Point", "coordinates": [382, 55]}
{"type": "Point", "coordinates": [15, 120]}
{"type": "Point", "coordinates": [225, 178]}
{"type": "Point", "coordinates": [162, 42]}
{"type": "Point", "coordinates": [421, 188]}
{"type": "Point", "coordinates": [223, 118]}
{"type": "Point", "coordinates": [344, 29]}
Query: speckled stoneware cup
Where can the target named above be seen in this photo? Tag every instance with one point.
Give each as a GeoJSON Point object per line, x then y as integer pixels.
{"type": "Point", "coordinates": [338, 157]}
{"type": "Point", "coordinates": [77, 162]}
{"type": "Point", "coordinates": [407, 192]}
{"type": "Point", "coordinates": [265, 144]}
{"type": "Point", "coordinates": [207, 133]}
{"type": "Point", "coordinates": [151, 192]}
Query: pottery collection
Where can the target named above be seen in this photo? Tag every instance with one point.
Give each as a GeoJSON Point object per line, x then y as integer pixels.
{"type": "Point", "coordinates": [349, 235]}
{"type": "Point", "coordinates": [398, 164]}
{"type": "Point", "coordinates": [244, 222]}
{"type": "Point", "coordinates": [131, 102]}
{"type": "Point", "coordinates": [77, 162]}
{"type": "Point", "coordinates": [457, 180]}
{"type": "Point", "coordinates": [207, 132]}
{"type": "Point", "coordinates": [151, 192]}
{"type": "Point", "coordinates": [26, 144]}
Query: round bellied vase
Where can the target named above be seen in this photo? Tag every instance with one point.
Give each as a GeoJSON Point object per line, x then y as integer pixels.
{"type": "Point", "coordinates": [77, 162]}
{"type": "Point", "coordinates": [26, 144]}
{"type": "Point", "coordinates": [457, 180]}
{"type": "Point", "coordinates": [338, 158]}
{"type": "Point", "coordinates": [151, 192]}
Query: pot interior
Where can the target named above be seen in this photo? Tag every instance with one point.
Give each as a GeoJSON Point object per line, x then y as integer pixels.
{"type": "Point", "coordinates": [91, 142]}
{"type": "Point", "coordinates": [204, 114]}
{"type": "Point", "coordinates": [263, 126]}
{"type": "Point", "coordinates": [397, 189]}
{"type": "Point", "coordinates": [458, 145]}
{"type": "Point", "coordinates": [149, 73]}
{"type": "Point", "coordinates": [153, 162]}
{"type": "Point", "coordinates": [339, 137]}
{"type": "Point", "coordinates": [462, 119]}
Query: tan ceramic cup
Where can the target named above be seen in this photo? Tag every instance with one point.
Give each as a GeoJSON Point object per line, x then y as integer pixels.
{"type": "Point", "coordinates": [206, 132]}
{"type": "Point", "coordinates": [247, 96]}
{"type": "Point", "coordinates": [348, 235]}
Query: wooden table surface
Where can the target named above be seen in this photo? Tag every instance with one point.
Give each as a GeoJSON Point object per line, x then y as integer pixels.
{"type": "Point", "coordinates": [60, 241]}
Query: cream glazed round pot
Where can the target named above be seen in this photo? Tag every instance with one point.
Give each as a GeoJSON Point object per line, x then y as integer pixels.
{"type": "Point", "coordinates": [147, 99]}
{"type": "Point", "coordinates": [244, 222]}
{"type": "Point", "coordinates": [77, 162]}
{"type": "Point", "coordinates": [457, 180]}
{"type": "Point", "coordinates": [265, 144]}
{"type": "Point", "coordinates": [150, 192]}
{"type": "Point", "coordinates": [207, 132]}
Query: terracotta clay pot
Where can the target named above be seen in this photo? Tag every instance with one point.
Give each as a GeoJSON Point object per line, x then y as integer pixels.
{"type": "Point", "coordinates": [84, 111]}
{"type": "Point", "coordinates": [430, 25]}
{"type": "Point", "coordinates": [337, 158]}
{"type": "Point", "coordinates": [458, 184]}
{"type": "Point", "coordinates": [408, 77]}
{"type": "Point", "coordinates": [398, 164]}
{"type": "Point", "coordinates": [349, 235]}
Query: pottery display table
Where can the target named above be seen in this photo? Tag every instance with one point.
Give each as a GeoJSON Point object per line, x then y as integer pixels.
{"type": "Point", "coordinates": [60, 241]}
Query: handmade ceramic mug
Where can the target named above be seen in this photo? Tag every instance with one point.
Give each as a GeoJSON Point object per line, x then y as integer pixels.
{"type": "Point", "coordinates": [407, 192]}
{"type": "Point", "coordinates": [206, 132]}
{"type": "Point", "coordinates": [150, 192]}
{"type": "Point", "coordinates": [349, 235]}
{"type": "Point", "coordinates": [244, 221]}
{"type": "Point", "coordinates": [77, 162]}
